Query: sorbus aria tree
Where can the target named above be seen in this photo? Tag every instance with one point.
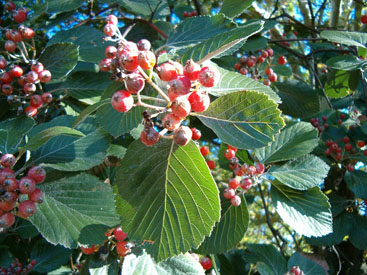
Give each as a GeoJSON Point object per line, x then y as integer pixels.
{"type": "Point", "coordinates": [183, 137]}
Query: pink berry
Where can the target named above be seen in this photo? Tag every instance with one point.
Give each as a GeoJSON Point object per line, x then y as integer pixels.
{"type": "Point", "coordinates": [119, 234]}
{"type": "Point", "coordinates": [37, 173]}
{"type": "Point", "coordinates": [3, 62]}
{"type": "Point", "coordinates": [16, 36]}
{"type": "Point", "coordinates": [236, 201]}
{"type": "Point", "coordinates": [9, 6]}
{"type": "Point", "coordinates": [36, 101]}
{"type": "Point", "coordinates": [181, 107]}
{"type": "Point", "coordinates": [260, 168]}
{"type": "Point", "coordinates": [143, 45]}
{"type": "Point", "coordinates": [209, 76]}
{"type": "Point", "coordinates": [112, 19]}
{"type": "Point", "coordinates": [46, 98]}
{"type": "Point", "coordinates": [134, 83]}
{"type": "Point", "coordinates": [180, 85]}
{"type": "Point", "coordinates": [267, 82]}
{"type": "Point", "coordinates": [182, 135]}
{"type": "Point", "coordinates": [229, 153]}
{"type": "Point", "coordinates": [229, 193]}
{"type": "Point", "coordinates": [110, 29]}
{"type": "Point", "coordinates": [129, 60]}
{"type": "Point", "coordinates": [251, 63]}
{"type": "Point", "coordinates": [6, 173]}
{"type": "Point", "coordinates": [10, 184]}
{"type": "Point", "coordinates": [19, 16]}
{"type": "Point", "coordinates": [167, 71]}
{"type": "Point", "coordinates": [233, 183]}
{"type": "Point", "coordinates": [122, 101]}
{"type": "Point", "coordinates": [27, 208]}
{"type": "Point", "coordinates": [31, 76]}
{"type": "Point", "coordinates": [196, 134]}
{"type": "Point", "coordinates": [270, 51]}
{"type": "Point", "coordinates": [282, 60]}
{"type": "Point", "coordinates": [171, 122]}
{"type": "Point", "coordinates": [191, 70]}
{"type": "Point", "coordinates": [149, 136]}
{"type": "Point", "coordinates": [110, 51]}
{"type": "Point", "coordinates": [29, 88]}
{"type": "Point", "coordinates": [10, 46]}
{"type": "Point", "coordinates": [246, 183]}
{"type": "Point", "coordinates": [7, 220]}
{"type": "Point", "coordinates": [7, 160]}
{"type": "Point", "coordinates": [105, 65]}
{"type": "Point", "coordinates": [30, 111]}
{"type": "Point", "coordinates": [26, 185]}
{"type": "Point", "coordinates": [36, 196]}
{"type": "Point", "coordinates": [199, 101]}
{"type": "Point", "coordinates": [44, 76]}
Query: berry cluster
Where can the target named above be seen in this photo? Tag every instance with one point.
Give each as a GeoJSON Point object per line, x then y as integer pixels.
{"type": "Point", "coordinates": [204, 150]}
{"type": "Point", "coordinates": [11, 190]}
{"type": "Point", "coordinates": [17, 267]}
{"type": "Point", "coordinates": [295, 270]}
{"type": "Point", "coordinates": [15, 83]}
{"type": "Point", "coordinates": [206, 263]}
{"type": "Point", "coordinates": [252, 65]}
{"type": "Point", "coordinates": [323, 124]}
{"type": "Point", "coordinates": [190, 14]}
{"type": "Point", "coordinates": [245, 176]}
{"type": "Point", "coordinates": [128, 62]}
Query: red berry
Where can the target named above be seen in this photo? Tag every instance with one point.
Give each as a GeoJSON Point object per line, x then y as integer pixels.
{"type": "Point", "coordinates": [180, 85]}
{"type": "Point", "coordinates": [260, 168]}
{"type": "Point", "coordinates": [16, 71]}
{"type": "Point", "coordinates": [361, 143]}
{"type": "Point", "coordinates": [186, 14]}
{"type": "Point", "coordinates": [88, 250]}
{"type": "Point", "coordinates": [229, 153]}
{"type": "Point", "coordinates": [143, 45]}
{"type": "Point", "coordinates": [364, 19]}
{"type": "Point", "coordinates": [7, 220]}
{"type": "Point", "coordinates": [9, 196]}
{"type": "Point", "coordinates": [37, 67]}
{"type": "Point", "coordinates": [28, 33]}
{"type": "Point", "coordinates": [110, 29]}
{"type": "Point", "coordinates": [146, 60]}
{"type": "Point", "coordinates": [196, 134]}
{"type": "Point", "coordinates": [209, 76]}
{"type": "Point", "coordinates": [243, 71]}
{"type": "Point", "coordinates": [233, 183]}
{"type": "Point", "coordinates": [211, 164]}
{"type": "Point", "coordinates": [365, 152]}
{"type": "Point", "coordinates": [204, 150]}
{"type": "Point", "coordinates": [346, 139]}
{"type": "Point", "coordinates": [122, 101]}
{"type": "Point", "coordinates": [171, 122]}
{"type": "Point", "coordinates": [112, 19]}
{"type": "Point", "coordinates": [7, 89]}
{"type": "Point", "coordinates": [342, 116]}
{"type": "Point", "coordinates": [36, 196]}
{"type": "Point", "coordinates": [30, 111]}
{"type": "Point", "coordinates": [282, 60]}
{"type": "Point", "coordinates": [129, 60]}
{"type": "Point", "coordinates": [105, 65]}
{"type": "Point", "coordinates": [19, 16]}
{"type": "Point", "coordinates": [260, 59]}
{"type": "Point", "coordinates": [324, 118]}
{"type": "Point", "coordinates": [6, 173]}
{"type": "Point", "coordinates": [26, 185]}
{"type": "Point", "coordinates": [9, 6]}
{"type": "Point", "coordinates": [251, 62]}
{"type": "Point", "coordinates": [199, 101]}
{"type": "Point", "coordinates": [194, 13]}
{"type": "Point", "coordinates": [16, 36]}
{"type": "Point", "coordinates": [167, 71]}
{"type": "Point", "coordinates": [328, 151]}
{"type": "Point", "coordinates": [27, 208]}
{"type": "Point", "coordinates": [10, 46]}
{"type": "Point", "coordinates": [295, 270]}
{"type": "Point", "coordinates": [246, 183]}
{"type": "Point", "coordinates": [3, 62]}
{"type": "Point", "coordinates": [329, 143]}
{"type": "Point", "coordinates": [119, 234]}
{"type": "Point", "coordinates": [182, 135]}
{"type": "Point", "coordinates": [270, 51]}
{"type": "Point", "coordinates": [339, 121]}
{"type": "Point", "coordinates": [273, 77]}
{"type": "Point", "coordinates": [46, 98]}
{"type": "Point", "coordinates": [264, 54]}
{"type": "Point", "coordinates": [7, 160]}
{"type": "Point", "coordinates": [37, 173]}
{"type": "Point", "coordinates": [350, 167]}
{"type": "Point", "coordinates": [238, 172]}
{"type": "Point", "coordinates": [7, 206]}
{"type": "Point", "coordinates": [149, 136]}
{"type": "Point", "coordinates": [236, 201]}
{"type": "Point", "coordinates": [36, 101]}
{"type": "Point", "coordinates": [122, 249]}
{"type": "Point", "coordinates": [232, 147]}
{"type": "Point", "coordinates": [10, 184]}
{"type": "Point", "coordinates": [237, 66]}
{"type": "Point", "coordinates": [348, 146]}
{"type": "Point", "coordinates": [229, 193]}
{"type": "Point", "coordinates": [267, 82]}
{"type": "Point", "coordinates": [206, 263]}
{"type": "Point", "coordinates": [191, 70]}
{"type": "Point", "coordinates": [29, 88]}
{"type": "Point", "coordinates": [134, 83]}
{"type": "Point", "coordinates": [181, 107]}
{"type": "Point", "coordinates": [31, 76]}
{"type": "Point", "coordinates": [110, 51]}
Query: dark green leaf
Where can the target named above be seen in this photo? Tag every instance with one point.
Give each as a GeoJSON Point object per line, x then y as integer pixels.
{"type": "Point", "coordinates": [65, 5]}
{"type": "Point", "coordinates": [255, 43]}
{"type": "Point", "coordinates": [48, 257]}
{"type": "Point", "coordinates": [230, 229]}
{"type": "Point", "coordinates": [167, 195]}
{"type": "Point", "coordinates": [60, 59]}
{"type": "Point", "coordinates": [89, 110]}
{"type": "Point", "coordinates": [346, 63]}
{"type": "Point", "coordinates": [143, 7]}
{"type": "Point", "coordinates": [12, 132]}
{"type": "Point", "coordinates": [357, 182]}
{"type": "Point", "coordinates": [267, 255]}
{"type": "Point", "coordinates": [357, 39]}
{"type": "Point", "coordinates": [76, 210]}
{"type": "Point", "coordinates": [245, 120]}
{"type": "Point", "coordinates": [5, 257]}
{"type": "Point", "coordinates": [233, 82]}
{"type": "Point", "coordinates": [89, 40]}
{"type": "Point", "coordinates": [359, 229]}
{"type": "Point", "coordinates": [233, 8]}
{"type": "Point", "coordinates": [307, 212]}
{"type": "Point", "coordinates": [303, 173]}
{"type": "Point", "coordinates": [232, 262]}
{"type": "Point", "coordinates": [282, 70]}
{"type": "Point", "coordinates": [307, 265]}
{"type": "Point", "coordinates": [292, 142]}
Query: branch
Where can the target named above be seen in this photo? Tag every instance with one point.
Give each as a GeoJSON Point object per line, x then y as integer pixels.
{"type": "Point", "coordinates": [311, 12]}
{"type": "Point", "coordinates": [298, 22]}
{"type": "Point", "coordinates": [335, 11]}
{"type": "Point", "coordinates": [155, 86]}
{"type": "Point", "coordinates": [322, 7]}
{"type": "Point", "coordinates": [321, 86]}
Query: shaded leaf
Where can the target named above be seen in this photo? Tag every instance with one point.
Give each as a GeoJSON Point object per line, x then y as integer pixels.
{"type": "Point", "coordinates": [245, 120]}
{"type": "Point", "coordinates": [307, 265]}
{"type": "Point", "coordinates": [357, 182]}
{"type": "Point", "coordinates": [292, 142]}
{"type": "Point", "coordinates": [232, 262]}
{"type": "Point", "coordinates": [233, 8]}
{"type": "Point", "coordinates": [346, 63]}
{"type": "Point", "coordinates": [282, 70]}
{"type": "Point", "coordinates": [337, 84]}
{"type": "Point", "coordinates": [307, 212]}
{"type": "Point", "coordinates": [89, 110]}
{"type": "Point", "coordinates": [167, 195]}
{"type": "Point", "coordinates": [76, 210]}
{"type": "Point", "coordinates": [65, 5]}
{"type": "Point", "coordinates": [357, 39]}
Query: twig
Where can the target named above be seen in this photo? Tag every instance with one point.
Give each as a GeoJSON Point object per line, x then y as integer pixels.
{"type": "Point", "coordinates": [298, 22]}
{"type": "Point", "coordinates": [321, 86]}
{"type": "Point", "coordinates": [128, 29]}
{"type": "Point", "coordinates": [321, 8]}
{"type": "Point", "coordinates": [274, 10]}
{"type": "Point", "coordinates": [311, 12]}
{"type": "Point", "coordinates": [275, 232]}
{"type": "Point", "coordinates": [145, 105]}
{"type": "Point", "coordinates": [155, 86]}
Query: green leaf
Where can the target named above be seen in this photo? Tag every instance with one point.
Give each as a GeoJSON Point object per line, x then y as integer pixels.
{"type": "Point", "coordinates": [60, 59]}
{"type": "Point", "coordinates": [338, 84]}
{"type": "Point", "coordinates": [217, 45]}
{"type": "Point", "coordinates": [65, 5]}
{"type": "Point", "coordinates": [99, 267]}
{"type": "Point", "coordinates": [89, 40]}
{"type": "Point", "coordinates": [233, 82]}
{"type": "Point", "coordinates": [145, 265]}
{"type": "Point", "coordinates": [267, 255]}
{"type": "Point", "coordinates": [233, 8]}
{"type": "Point", "coordinates": [48, 257]}
{"type": "Point", "coordinates": [358, 229]}
{"type": "Point", "coordinates": [70, 153]}
{"type": "Point", "coordinates": [299, 99]}
{"type": "Point", "coordinates": [307, 265]}
{"type": "Point", "coordinates": [303, 173]}
{"type": "Point", "coordinates": [116, 123]}
{"type": "Point", "coordinates": [255, 43]}
{"type": "Point", "coordinates": [89, 110]}
{"type": "Point", "coordinates": [230, 229]}
{"type": "Point", "coordinates": [346, 63]}
{"type": "Point", "coordinates": [167, 195]}
{"type": "Point", "coordinates": [12, 132]}
{"type": "Point", "coordinates": [282, 70]}
{"type": "Point", "coordinates": [356, 181]}
{"type": "Point", "coordinates": [232, 262]}
{"type": "Point", "coordinates": [357, 39]}
{"type": "Point", "coordinates": [117, 151]}
{"type": "Point", "coordinates": [194, 30]}
{"type": "Point", "coordinates": [307, 212]}
{"type": "Point", "coordinates": [245, 120]}
{"type": "Point", "coordinates": [144, 7]}
{"type": "Point", "coordinates": [292, 142]}
{"type": "Point", "coordinates": [76, 210]}
{"type": "Point", "coordinates": [5, 257]}
{"type": "Point", "coordinates": [82, 85]}
{"type": "Point", "coordinates": [42, 137]}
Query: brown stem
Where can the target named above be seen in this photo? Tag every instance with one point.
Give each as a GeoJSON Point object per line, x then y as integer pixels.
{"type": "Point", "coordinates": [155, 86]}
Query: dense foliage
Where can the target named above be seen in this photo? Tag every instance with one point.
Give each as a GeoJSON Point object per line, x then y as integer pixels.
{"type": "Point", "coordinates": [183, 137]}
